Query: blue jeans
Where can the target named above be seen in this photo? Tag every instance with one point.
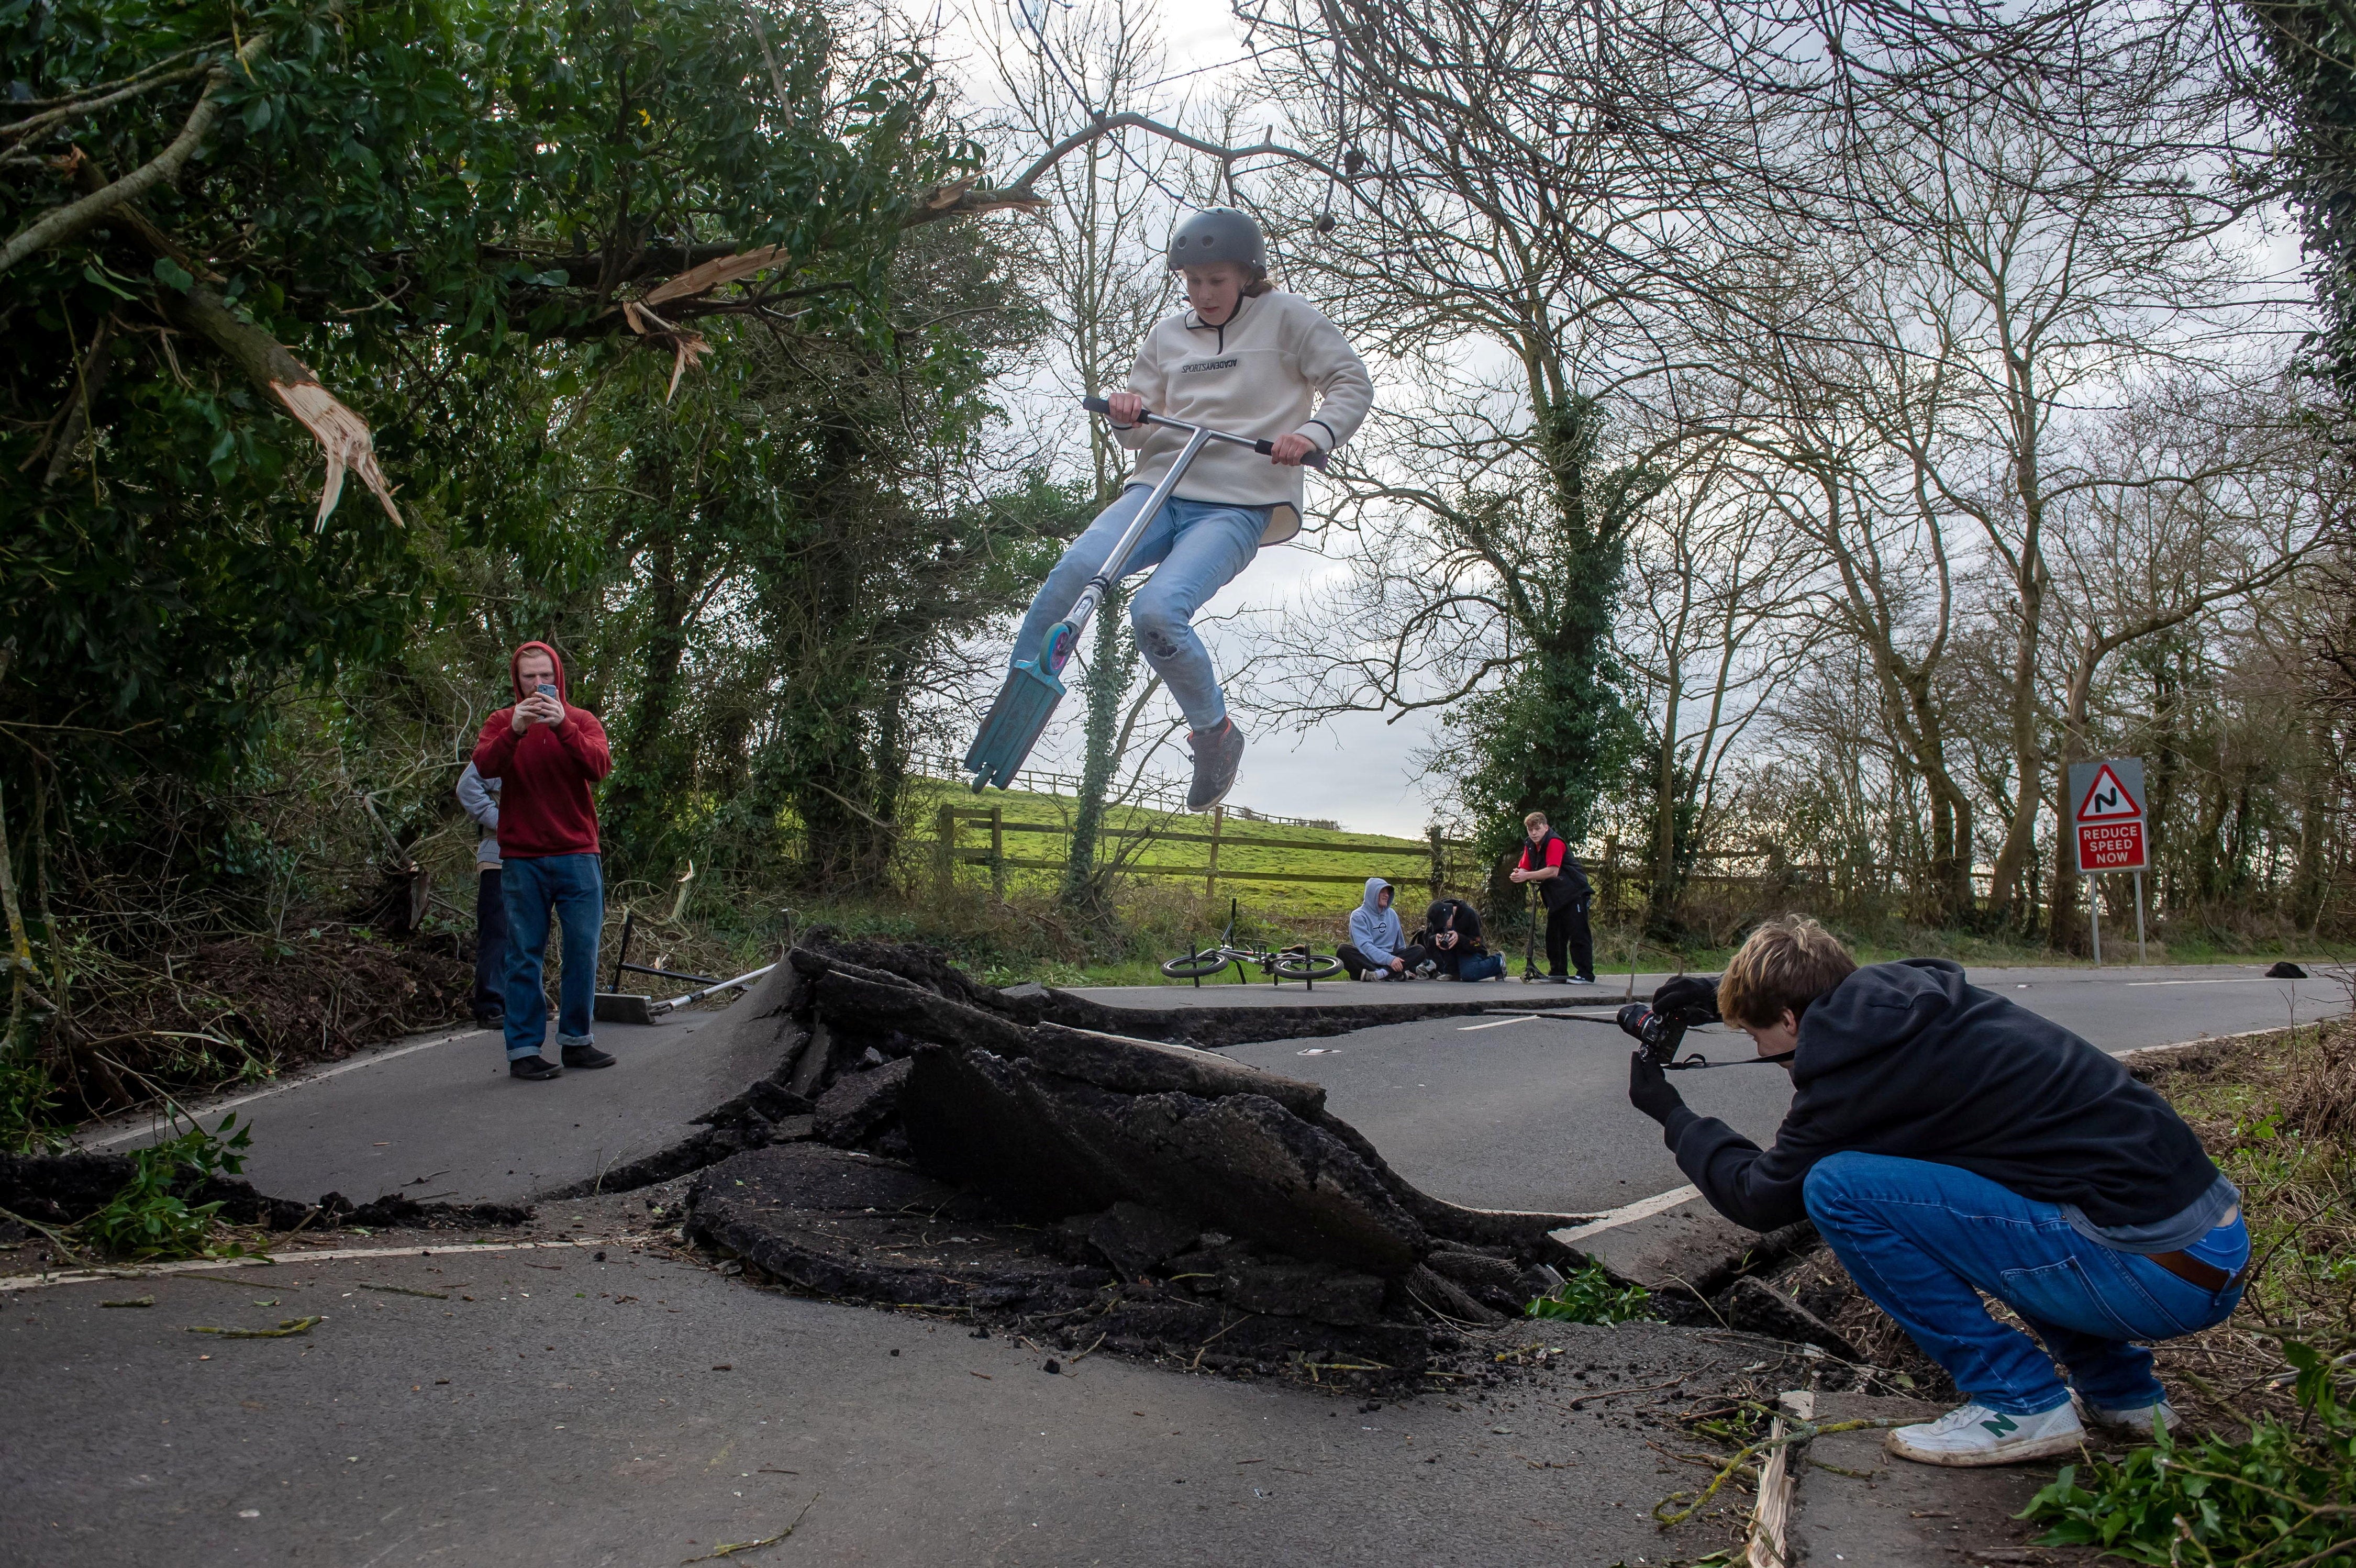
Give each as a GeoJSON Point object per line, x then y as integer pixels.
{"type": "Point", "coordinates": [572, 888]}
{"type": "Point", "coordinates": [1922, 1240]}
{"type": "Point", "coordinates": [1197, 547]}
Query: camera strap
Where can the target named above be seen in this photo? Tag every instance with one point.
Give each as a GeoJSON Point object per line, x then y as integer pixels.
{"type": "Point", "coordinates": [1697, 1061]}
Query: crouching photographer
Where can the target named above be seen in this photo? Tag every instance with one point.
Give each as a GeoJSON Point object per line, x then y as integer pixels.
{"type": "Point", "coordinates": [1452, 935]}
{"type": "Point", "coordinates": [1948, 1142]}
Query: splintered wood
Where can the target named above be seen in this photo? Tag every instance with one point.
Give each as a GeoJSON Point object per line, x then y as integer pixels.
{"type": "Point", "coordinates": [1771, 1521]}
{"type": "Point", "coordinates": [686, 346]}
{"type": "Point", "coordinates": [343, 437]}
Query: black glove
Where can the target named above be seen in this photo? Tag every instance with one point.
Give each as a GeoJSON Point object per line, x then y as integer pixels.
{"type": "Point", "coordinates": [1692, 998]}
{"type": "Point", "coordinates": [1648, 1087]}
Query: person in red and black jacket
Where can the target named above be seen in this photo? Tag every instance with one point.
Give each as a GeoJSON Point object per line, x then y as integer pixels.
{"type": "Point", "coordinates": [549, 756]}
{"type": "Point", "coordinates": [1563, 887]}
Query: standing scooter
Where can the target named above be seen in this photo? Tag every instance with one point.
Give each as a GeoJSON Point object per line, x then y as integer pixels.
{"type": "Point", "coordinates": [1033, 687]}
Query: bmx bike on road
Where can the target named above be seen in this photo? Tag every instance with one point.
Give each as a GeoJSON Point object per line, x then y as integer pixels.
{"type": "Point", "coordinates": [1280, 964]}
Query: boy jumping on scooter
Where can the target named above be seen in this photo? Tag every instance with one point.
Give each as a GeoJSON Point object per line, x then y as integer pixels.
{"type": "Point", "coordinates": [1242, 358]}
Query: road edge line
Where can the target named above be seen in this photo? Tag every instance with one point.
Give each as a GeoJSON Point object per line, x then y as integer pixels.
{"type": "Point", "coordinates": [335, 1254]}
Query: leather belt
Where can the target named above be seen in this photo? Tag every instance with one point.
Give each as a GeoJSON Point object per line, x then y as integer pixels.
{"type": "Point", "coordinates": [2193, 1271]}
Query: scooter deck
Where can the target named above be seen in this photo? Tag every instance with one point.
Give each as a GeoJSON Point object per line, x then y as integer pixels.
{"type": "Point", "coordinates": [1016, 720]}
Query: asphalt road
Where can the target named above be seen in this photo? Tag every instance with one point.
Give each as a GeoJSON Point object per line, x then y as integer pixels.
{"type": "Point", "coordinates": [1497, 1114]}
{"type": "Point", "coordinates": [1534, 1114]}
{"type": "Point", "coordinates": [642, 1412]}
{"type": "Point", "coordinates": [574, 1411]}
{"type": "Point", "coordinates": [439, 1117]}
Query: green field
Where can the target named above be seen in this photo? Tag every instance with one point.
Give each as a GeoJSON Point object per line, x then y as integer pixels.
{"type": "Point", "coordinates": [1161, 848]}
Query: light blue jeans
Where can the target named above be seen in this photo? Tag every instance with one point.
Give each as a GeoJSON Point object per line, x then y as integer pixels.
{"type": "Point", "coordinates": [572, 887]}
{"type": "Point", "coordinates": [1925, 1239]}
{"type": "Point", "coordinates": [1195, 548]}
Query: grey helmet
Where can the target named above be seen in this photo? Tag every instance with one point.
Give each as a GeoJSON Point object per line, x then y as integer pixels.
{"type": "Point", "coordinates": [1222, 234]}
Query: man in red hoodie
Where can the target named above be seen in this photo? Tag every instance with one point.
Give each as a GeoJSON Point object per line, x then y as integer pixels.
{"type": "Point", "coordinates": [549, 755]}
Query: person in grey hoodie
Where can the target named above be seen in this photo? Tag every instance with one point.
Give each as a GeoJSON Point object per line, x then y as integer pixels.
{"type": "Point", "coordinates": [1246, 359]}
{"type": "Point", "coordinates": [1377, 948]}
{"type": "Point", "coordinates": [480, 797]}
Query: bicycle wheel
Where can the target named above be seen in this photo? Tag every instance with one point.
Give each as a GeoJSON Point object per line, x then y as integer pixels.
{"type": "Point", "coordinates": [1196, 965]}
{"type": "Point", "coordinates": [1306, 966]}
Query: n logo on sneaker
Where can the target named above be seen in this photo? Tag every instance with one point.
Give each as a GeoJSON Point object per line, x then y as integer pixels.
{"type": "Point", "coordinates": [2002, 1426]}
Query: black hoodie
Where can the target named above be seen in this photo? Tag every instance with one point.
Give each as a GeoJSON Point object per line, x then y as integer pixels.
{"type": "Point", "coordinates": [1909, 1059]}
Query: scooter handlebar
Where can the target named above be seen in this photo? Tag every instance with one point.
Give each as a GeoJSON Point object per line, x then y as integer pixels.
{"type": "Point", "coordinates": [1316, 459]}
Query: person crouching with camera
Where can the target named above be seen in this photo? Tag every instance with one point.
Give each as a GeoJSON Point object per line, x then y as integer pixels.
{"type": "Point", "coordinates": [1948, 1142]}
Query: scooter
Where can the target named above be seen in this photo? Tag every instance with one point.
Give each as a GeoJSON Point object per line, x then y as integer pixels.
{"type": "Point", "coordinates": [1034, 686]}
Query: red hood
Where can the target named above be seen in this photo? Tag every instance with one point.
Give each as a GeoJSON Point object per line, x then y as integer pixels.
{"type": "Point", "coordinates": [516, 681]}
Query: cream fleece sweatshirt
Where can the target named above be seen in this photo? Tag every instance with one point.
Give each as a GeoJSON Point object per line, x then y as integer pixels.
{"type": "Point", "coordinates": [1278, 367]}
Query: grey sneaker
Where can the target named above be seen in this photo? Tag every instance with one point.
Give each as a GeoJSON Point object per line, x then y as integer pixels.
{"type": "Point", "coordinates": [1217, 753]}
{"type": "Point", "coordinates": [2136, 1423]}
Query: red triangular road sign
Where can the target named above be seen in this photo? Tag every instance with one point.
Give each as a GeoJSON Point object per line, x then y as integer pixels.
{"type": "Point", "coordinates": [2108, 799]}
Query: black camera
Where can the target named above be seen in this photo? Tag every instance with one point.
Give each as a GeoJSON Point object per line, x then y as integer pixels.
{"type": "Point", "coordinates": [1659, 1033]}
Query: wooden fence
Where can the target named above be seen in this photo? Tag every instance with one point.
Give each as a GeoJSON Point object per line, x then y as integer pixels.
{"type": "Point", "coordinates": [1620, 873]}
{"type": "Point", "coordinates": [1152, 792]}
{"type": "Point", "coordinates": [950, 853]}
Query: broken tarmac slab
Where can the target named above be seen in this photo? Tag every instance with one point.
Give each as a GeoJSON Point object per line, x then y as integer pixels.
{"type": "Point", "coordinates": [1892, 1513]}
{"type": "Point", "coordinates": [1676, 1241]}
{"type": "Point", "coordinates": [849, 1225]}
{"type": "Point", "coordinates": [1206, 1025]}
{"type": "Point", "coordinates": [1293, 1237]}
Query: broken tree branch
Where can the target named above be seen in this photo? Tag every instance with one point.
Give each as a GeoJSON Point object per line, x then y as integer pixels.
{"type": "Point", "coordinates": [60, 224]}
{"type": "Point", "coordinates": [344, 437]}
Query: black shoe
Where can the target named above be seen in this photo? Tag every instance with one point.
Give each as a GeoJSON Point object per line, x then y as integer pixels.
{"type": "Point", "coordinates": [586, 1057]}
{"type": "Point", "coordinates": [491, 1020]}
{"type": "Point", "coordinates": [1586, 980]}
{"type": "Point", "coordinates": [1555, 979]}
{"type": "Point", "coordinates": [1217, 753]}
{"type": "Point", "coordinates": [533, 1068]}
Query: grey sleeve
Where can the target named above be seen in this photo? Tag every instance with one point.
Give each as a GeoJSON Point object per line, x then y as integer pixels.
{"type": "Point", "coordinates": [1345, 393]}
{"type": "Point", "coordinates": [476, 796]}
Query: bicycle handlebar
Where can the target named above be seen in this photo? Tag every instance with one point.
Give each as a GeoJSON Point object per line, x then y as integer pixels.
{"type": "Point", "coordinates": [1316, 459]}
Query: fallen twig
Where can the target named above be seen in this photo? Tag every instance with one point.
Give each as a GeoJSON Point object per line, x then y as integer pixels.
{"type": "Point", "coordinates": [1615, 1393]}
{"type": "Point", "coordinates": [287, 1328]}
{"type": "Point", "coordinates": [134, 1301]}
{"type": "Point", "coordinates": [1797, 1431]}
{"type": "Point", "coordinates": [56, 1240]}
{"type": "Point", "coordinates": [730, 1549]}
{"type": "Point", "coordinates": [404, 1290]}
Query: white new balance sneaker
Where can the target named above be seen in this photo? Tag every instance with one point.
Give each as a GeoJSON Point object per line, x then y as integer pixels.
{"type": "Point", "coordinates": [2135, 1424]}
{"type": "Point", "coordinates": [1975, 1435]}
{"type": "Point", "coordinates": [1376, 974]}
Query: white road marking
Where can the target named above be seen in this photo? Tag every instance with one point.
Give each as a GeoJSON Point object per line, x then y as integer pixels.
{"type": "Point", "coordinates": [1498, 1024]}
{"type": "Point", "coordinates": [1643, 1209]}
{"type": "Point", "coordinates": [155, 1124]}
{"type": "Point", "coordinates": [333, 1254]}
{"type": "Point", "coordinates": [2237, 980]}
